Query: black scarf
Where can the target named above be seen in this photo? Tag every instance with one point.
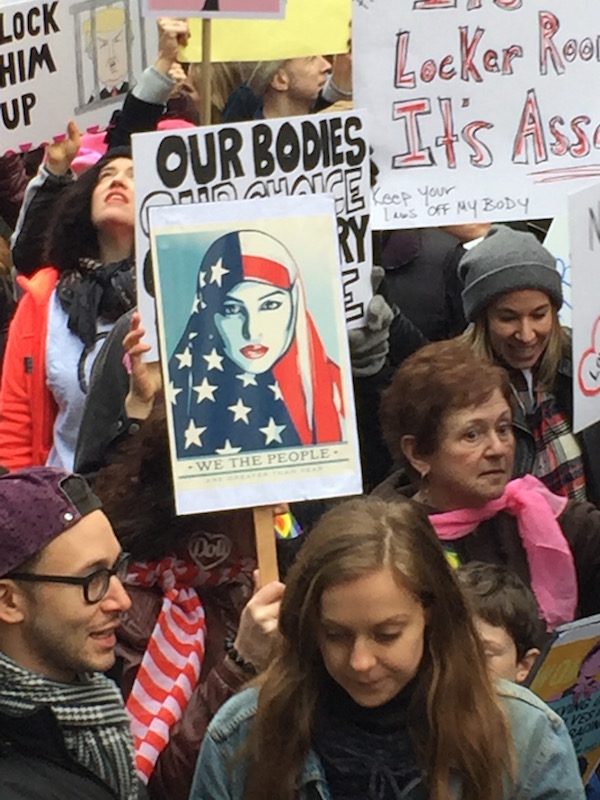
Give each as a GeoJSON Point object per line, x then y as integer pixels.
{"type": "Point", "coordinates": [367, 753]}
{"type": "Point", "coordinates": [96, 291]}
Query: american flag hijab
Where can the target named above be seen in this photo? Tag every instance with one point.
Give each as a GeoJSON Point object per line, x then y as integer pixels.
{"type": "Point", "coordinates": [250, 371]}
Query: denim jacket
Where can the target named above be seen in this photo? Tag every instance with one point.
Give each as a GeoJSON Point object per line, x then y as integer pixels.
{"type": "Point", "coordinates": [546, 763]}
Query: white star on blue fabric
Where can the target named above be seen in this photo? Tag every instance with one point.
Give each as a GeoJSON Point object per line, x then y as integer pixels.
{"type": "Point", "coordinates": [172, 393]}
{"type": "Point", "coordinates": [228, 449]}
{"type": "Point", "coordinates": [217, 271]}
{"type": "Point", "coordinates": [247, 379]}
{"type": "Point", "coordinates": [205, 391]}
{"type": "Point", "coordinates": [275, 388]}
{"type": "Point", "coordinates": [185, 358]}
{"type": "Point", "coordinates": [196, 304]}
{"type": "Point", "coordinates": [272, 431]}
{"type": "Point", "coordinates": [214, 360]}
{"type": "Point", "coordinates": [202, 280]}
{"type": "Point", "coordinates": [193, 434]}
{"type": "Point", "coordinates": [240, 411]}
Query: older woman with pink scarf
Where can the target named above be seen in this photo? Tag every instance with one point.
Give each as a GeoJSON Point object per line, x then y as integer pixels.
{"type": "Point", "coordinates": [447, 417]}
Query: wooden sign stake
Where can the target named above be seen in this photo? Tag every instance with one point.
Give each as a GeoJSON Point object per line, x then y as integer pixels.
{"type": "Point", "coordinates": [206, 100]}
{"type": "Point", "coordinates": [266, 551]}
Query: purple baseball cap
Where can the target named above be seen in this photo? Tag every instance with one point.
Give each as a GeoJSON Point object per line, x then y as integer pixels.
{"type": "Point", "coordinates": [36, 505]}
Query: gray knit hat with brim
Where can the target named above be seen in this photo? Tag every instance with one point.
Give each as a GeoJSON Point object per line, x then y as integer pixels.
{"type": "Point", "coordinates": [506, 261]}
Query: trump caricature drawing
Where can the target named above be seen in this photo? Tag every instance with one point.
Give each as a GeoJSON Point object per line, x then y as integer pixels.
{"type": "Point", "coordinates": [250, 371]}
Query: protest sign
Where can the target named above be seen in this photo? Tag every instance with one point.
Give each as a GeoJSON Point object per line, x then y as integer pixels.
{"type": "Point", "coordinates": [255, 353]}
{"type": "Point", "coordinates": [310, 27]}
{"type": "Point", "coordinates": [218, 8]}
{"type": "Point", "coordinates": [324, 153]}
{"type": "Point", "coordinates": [61, 60]}
{"type": "Point", "coordinates": [557, 242]}
{"type": "Point", "coordinates": [584, 229]}
{"type": "Point", "coordinates": [481, 109]}
{"type": "Point", "coordinates": [567, 677]}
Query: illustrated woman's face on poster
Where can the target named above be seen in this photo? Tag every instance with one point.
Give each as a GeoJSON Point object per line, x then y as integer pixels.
{"type": "Point", "coordinates": [256, 324]}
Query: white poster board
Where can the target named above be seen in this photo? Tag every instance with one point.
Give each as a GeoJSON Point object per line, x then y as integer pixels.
{"type": "Point", "coordinates": [481, 109]}
{"type": "Point", "coordinates": [318, 154]}
{"type": "Point", "coordinates": [67, 60]}
{"type": "Point", "coordinates": [557, 242]}
{"type": "Point", "coordinates": [584, 227]}
{"type": "Point", "coordinates": [255, 353]}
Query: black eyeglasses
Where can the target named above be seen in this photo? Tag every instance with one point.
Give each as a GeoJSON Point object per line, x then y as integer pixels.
{"type": "Point", "coordinates": [95, 585]}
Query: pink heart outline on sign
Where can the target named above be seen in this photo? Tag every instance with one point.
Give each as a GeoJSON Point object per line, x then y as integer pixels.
{"type": "Point", "coordinates": [589, 364]}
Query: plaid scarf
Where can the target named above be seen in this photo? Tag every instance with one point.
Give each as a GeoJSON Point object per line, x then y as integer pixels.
{"type": "Point", "coordinates": [559, 458]}
{"type": "Point", "coordinates": [91, 717]}
{"type": "Point", "coordinates": [172, 663]}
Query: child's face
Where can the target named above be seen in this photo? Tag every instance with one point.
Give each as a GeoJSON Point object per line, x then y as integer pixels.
{"type": "Point", "coordinates": [501, 653]}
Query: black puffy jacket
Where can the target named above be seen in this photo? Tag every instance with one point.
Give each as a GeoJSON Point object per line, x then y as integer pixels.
{"type": "Point", "coordinates": [36, 765]}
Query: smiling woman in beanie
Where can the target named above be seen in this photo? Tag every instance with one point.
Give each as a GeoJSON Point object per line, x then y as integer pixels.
{"type": "Point", "coordinates": [512, 294]}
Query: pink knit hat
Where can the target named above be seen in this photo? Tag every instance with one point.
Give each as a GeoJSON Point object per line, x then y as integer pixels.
{"type": "Point", "coordinates": [92, 148]}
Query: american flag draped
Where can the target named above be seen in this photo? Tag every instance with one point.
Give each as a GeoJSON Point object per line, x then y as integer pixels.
{"type": "Point", "coordinates": [250, 371]}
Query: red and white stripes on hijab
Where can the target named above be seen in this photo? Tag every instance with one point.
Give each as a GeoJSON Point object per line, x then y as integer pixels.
{"type": "Point", "coordinates": [171, 666]}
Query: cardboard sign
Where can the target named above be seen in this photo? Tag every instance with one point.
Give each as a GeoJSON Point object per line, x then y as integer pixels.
{"type": "Point", "coordinates": [567, 677]}
{"type": "Point", "coordinates": [310, 28]}
{"type": "Point", "coordinates": [584, 228]}
{"type": "Point", "coordinates": [482, 109]}
{"type": "Point", "coordinates": [557, 242]}
{"type": "Point", "coordinates": [256, 364]}
{"type": "Point", "coordinates": [61, 60]}
{"type": "Point", "coordinates": [318, 154]}
{"type": "Point", "coordinates": [257, 9]}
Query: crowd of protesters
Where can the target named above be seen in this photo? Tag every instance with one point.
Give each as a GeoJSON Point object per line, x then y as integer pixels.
{"type": "Point", "coordinates": [387, 661]}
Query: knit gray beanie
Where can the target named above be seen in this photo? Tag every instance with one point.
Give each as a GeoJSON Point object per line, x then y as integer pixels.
{"type": "Point", "coordinates": [506, 261]}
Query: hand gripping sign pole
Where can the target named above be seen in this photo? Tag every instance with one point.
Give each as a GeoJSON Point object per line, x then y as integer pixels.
{"type": "Point", "coordinates": [272, 523]}
{"type": "Point", "coordinates": [266, 551]}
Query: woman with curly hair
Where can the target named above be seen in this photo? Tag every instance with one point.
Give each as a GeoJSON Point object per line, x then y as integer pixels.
{"type": "Point", "coordinates": [379, 688]}
{"type": "Point", "coordinates": [66, 313]}
{"type": "Point", "coordinates": [196, 631]}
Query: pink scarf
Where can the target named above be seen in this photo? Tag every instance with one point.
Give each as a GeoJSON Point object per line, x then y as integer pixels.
{"type": "Point", "coordinates": [551, 565]}
{"type": "Point", "coordinates": [171, 665]}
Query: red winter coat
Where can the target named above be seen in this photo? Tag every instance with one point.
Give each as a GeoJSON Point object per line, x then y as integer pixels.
{"type": "Point", "coordinates": [27, 406]}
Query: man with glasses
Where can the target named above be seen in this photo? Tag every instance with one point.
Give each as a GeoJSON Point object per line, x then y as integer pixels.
{"type": "Point", "coordinates": [63, 730]}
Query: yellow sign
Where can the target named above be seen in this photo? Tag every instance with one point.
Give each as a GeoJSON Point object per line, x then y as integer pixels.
{"type": "Point", "coordinates": [310, 27]}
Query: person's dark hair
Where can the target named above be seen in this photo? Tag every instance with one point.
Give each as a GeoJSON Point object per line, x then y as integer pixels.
{"type": "Point", "coordinates": [454, 719]}
{"type": "Point", "coordinates": [71, 232]}
{"type": "Point", "coordinates": [28, 566]}
{"type": "Point", "coordinates": [136, 490]}
{"type": "Point", "coordinates": [439, 378]}
{"type": "Point", "coordinates": [500, 598]}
